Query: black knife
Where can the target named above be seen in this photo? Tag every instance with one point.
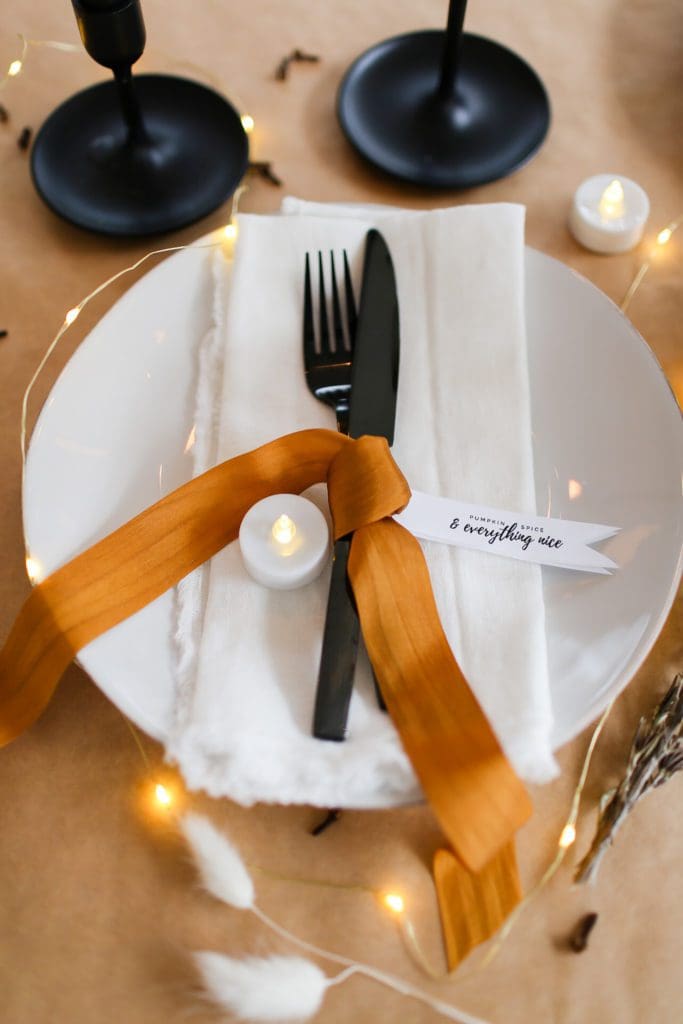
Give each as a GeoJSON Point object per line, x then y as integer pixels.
{"type": "Point", "coordinates": [374, 382]}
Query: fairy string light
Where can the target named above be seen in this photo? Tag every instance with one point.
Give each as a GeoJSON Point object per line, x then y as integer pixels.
{"type": "Point", "coordinates": [72, 315]}
{"type": "Point", "coordinates": [227, 235]}
{"type": "Point", "coordinates": [166, 801]}
{"type": "Point", "coordinates": [396, 905]}
{"type": "Point", "coordinates": [163, 795]}
{"type": "Point", "coordinates": [162, 798]}
{"type": "Point", "coordinates": [565, 841]}
{"type": "Point", "coordinates": [16, 66]}
{"type": "Point", "coordinates": [663, 238]}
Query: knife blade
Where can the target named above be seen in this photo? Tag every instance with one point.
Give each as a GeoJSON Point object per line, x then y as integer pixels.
{"type": "Point", "coordinates": [374, 384]}
{"type": "Point", "coordinates": [374, 372]}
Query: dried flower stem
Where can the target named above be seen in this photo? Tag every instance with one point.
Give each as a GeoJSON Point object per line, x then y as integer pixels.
{"type": "Point", "coordinates": [656, 755]}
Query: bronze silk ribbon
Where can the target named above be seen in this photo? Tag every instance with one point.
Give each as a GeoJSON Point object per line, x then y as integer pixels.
{"type": "Point", "coordinates": [472, 789]}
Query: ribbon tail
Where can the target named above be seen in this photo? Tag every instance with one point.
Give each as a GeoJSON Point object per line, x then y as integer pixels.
{"type": "Point", "coordinates": [476, 796]}
{"type": "Point", "coordinates": [473, 906]}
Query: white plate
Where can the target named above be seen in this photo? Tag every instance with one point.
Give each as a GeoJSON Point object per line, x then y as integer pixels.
{"type": "Point", "coordinates": [112, 439]}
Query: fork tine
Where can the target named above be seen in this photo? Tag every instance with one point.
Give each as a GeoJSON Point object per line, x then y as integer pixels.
{"type": "Point", "coordinates": [351, 314]}
{"type": "Point", "coordinates": [322, 312]}
{"type": "Point", "coordinates": [336, 310]}
{"type": "Point", "coordinates": [309, 330]}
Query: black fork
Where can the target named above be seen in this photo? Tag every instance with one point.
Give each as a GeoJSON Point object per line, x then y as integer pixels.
{"type": "Point", "coordinates": [327, 365]}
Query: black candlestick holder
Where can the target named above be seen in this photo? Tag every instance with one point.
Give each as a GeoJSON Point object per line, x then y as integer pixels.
{"type": "Point", "coordinates": [444, 109]}
{"type": "Point", "coordinates": [141, 154]}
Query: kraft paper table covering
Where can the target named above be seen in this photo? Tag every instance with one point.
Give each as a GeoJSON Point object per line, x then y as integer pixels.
{"type": "Point", "coordinates": [98, 905]}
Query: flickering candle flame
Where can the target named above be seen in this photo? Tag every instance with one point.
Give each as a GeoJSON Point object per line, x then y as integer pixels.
{"type": "Point", "coordinates": [230, 232]}
{"type": "Point", "coordinates": [392, 901]}
{"type": "Point", "coordinates": [611, 205]}
{"type": "Point", "coordinates": [567, 837]}
{"type": "Point", "coordinates": [247, 123]}
{"type": "Point", "coordinates": [284, 529]}
{"type": "Point", "coordinates": [14, 68]}
{"type": "Point", "coordinates": [664, 236]}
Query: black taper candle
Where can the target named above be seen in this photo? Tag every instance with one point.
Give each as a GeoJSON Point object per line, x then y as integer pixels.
{"type": "Point", "coordinates": [113, 31]}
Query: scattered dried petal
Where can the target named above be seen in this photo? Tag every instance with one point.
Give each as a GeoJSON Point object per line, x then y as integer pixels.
{"type": "Point", "coordinates": [282, 70]}
{"type": "Point", "coordinates": [310, 58]}
{"type": "Point", "coordinates": [297, 55]}
{"type": "Point", "coordinates": [578, 939]}
{"type": "Point", "coordinates": [265, 170]}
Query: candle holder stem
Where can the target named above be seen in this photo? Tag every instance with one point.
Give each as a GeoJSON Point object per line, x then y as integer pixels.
{"type": "Point", "coordinates": [130, 106]}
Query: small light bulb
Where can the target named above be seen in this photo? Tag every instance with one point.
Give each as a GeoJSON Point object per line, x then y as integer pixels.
{"type": "Point", "coordinates": [71, 316]}
{"type": "Point", "coordinates": [611, 205]}
{"type": "Point", "coordinates": [34, 569]}
{"type": "Point", "coordinates": [284, 529]}
{"type": "Point", "coordinates": [394, 902]}
{"type": "Point", "coordinates": [162, 795]}
{"type": "Point", "coordinates": [664, 236]}
{"type": "Point", "coordinates": [568, 837]}
{"type": "Point", "coordinates": [14, 68]}
{"type": "Point", "coordinates": [247, 123]}
{"type": "Point", "coordinates": [574, 489]}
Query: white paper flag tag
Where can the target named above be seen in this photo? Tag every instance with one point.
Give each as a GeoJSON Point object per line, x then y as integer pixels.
{"type": "Point", "coordinates": [560, 542]}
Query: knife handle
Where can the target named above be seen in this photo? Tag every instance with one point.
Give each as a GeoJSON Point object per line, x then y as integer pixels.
{"type": "Point", "coordinates": [339, 654]}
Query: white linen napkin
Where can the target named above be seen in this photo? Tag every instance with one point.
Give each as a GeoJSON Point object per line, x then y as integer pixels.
{"type": "Point", "coordinates": [249, 655]}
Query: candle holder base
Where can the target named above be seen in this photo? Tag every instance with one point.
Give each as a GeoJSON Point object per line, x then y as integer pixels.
{"type": "Point", "coordinates": [187, 159]}
{"type": "Point", "coordinates": [392, 110]}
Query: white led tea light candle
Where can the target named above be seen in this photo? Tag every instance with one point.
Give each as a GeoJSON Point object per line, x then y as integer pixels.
{"type": "Point", "coordinates": [609, 213]}
{"type": "Point", "coordinates": [285, 541]}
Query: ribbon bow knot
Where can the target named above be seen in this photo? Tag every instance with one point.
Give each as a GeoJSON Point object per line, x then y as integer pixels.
{"type": "Point", "coordinates": [364, 485]}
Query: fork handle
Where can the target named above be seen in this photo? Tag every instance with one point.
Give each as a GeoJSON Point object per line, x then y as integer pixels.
{"type": "Point", "coordinates": [339, 652]}
{"type": "Point", "coordinates": [342, 413]}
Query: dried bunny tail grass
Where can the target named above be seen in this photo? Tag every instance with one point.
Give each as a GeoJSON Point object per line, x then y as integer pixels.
{"type": "Point", "coordinates": [220, 867]}
{"type": "Point", "coordinates": [275, 988]}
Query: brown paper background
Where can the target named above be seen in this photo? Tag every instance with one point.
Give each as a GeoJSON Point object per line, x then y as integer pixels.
{"type": "Point", "coordinates": [98, 907]}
